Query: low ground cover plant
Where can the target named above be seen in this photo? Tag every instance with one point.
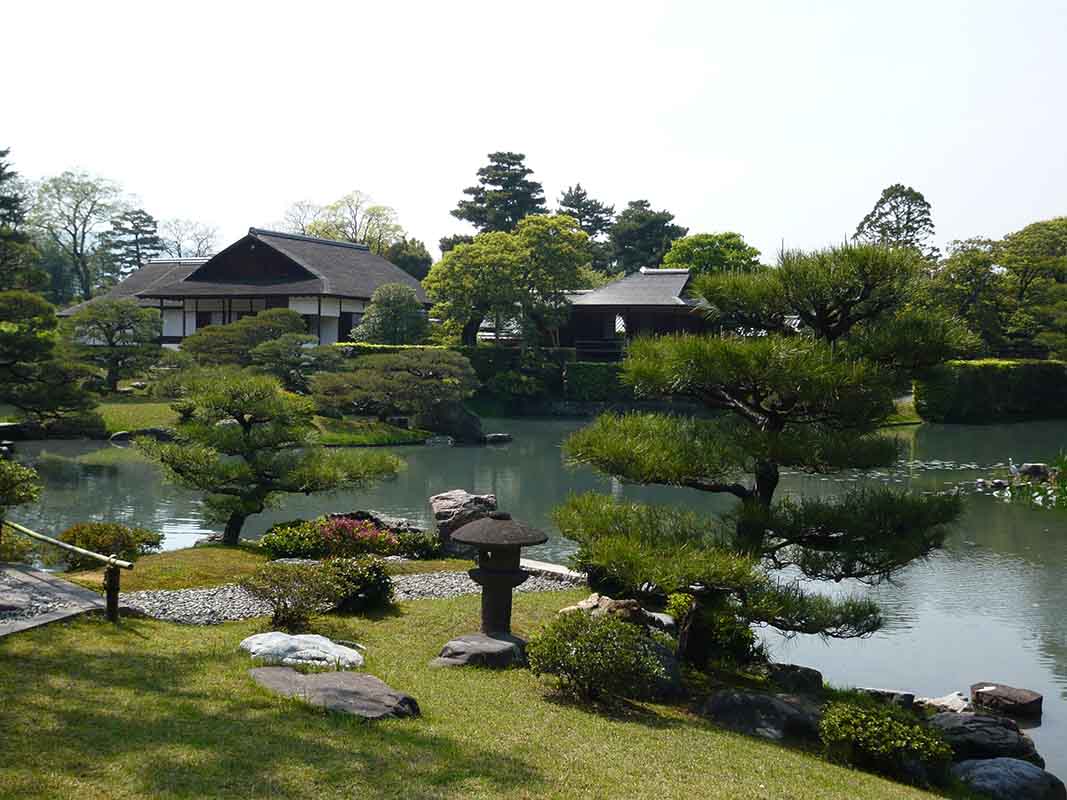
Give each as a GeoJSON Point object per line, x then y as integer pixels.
{"type": "Point", "coordinates": [327, 537]}
{"type": "Point", "coordinates": [596, 657]}
{"type": "Point", "coordinates": [108, 538]}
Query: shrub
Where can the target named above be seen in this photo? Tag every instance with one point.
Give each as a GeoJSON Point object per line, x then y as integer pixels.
{"type": "Point", "coordinates": [679, 605]}
{"type": "Point", "coordinates": [515, 384]}
{"type": "Point", "coordinates": [299, 539]}
{"type": "Point", "coordinates": [293, 591]}
{"type": "Point", "coordinates": [418, 545]}
{"type": "Point", "coordinates": [81, 425]}
{"type": "Point", "coordinates": [594, 657]}
{"type": "Point", "coordinates": [884, 739]}
{"type": "Point", "coordinates": [16, 548]}
{"type": "Point", "coordinates": [360, 583]}
{"type": "Point", "coordinates": [992, 390]}
{"type": "Point", "coordinates": [589, 381]}
{"type": "Point", "coordinates": [344, 536]}
{"type": "Point", "coordinates": [328, 537]}
{"type": "Point", "coordinates": [108, 538]}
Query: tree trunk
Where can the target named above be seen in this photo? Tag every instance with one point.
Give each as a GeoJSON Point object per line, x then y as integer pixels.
{"type": "Point", "coordinates": [470, 330]}
{"type": "Point", "coordinates": [112, 380]}
{"type": "Point", "coordinates": [694, 643]}
{"type": "Point", "coordinates": [232, 534]}
{"type": "Point", "coordinates": [751, 527]}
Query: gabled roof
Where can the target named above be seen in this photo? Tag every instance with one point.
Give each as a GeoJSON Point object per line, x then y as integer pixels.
{"type": "Point", "coordinates": [154, 273]}
{"type": "Point", "coordinates": [645, 288]}
{"type": "Point", "coordinates": [317, 267]}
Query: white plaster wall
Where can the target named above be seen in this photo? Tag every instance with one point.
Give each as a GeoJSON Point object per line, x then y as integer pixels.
{"type": "Point", "coordinates": [329, 329]}
{"type": "Point", "coordinates": [172, 322]}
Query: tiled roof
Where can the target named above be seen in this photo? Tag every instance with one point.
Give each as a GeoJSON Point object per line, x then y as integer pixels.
{"type": "Point", "coordinates": [647, 287]}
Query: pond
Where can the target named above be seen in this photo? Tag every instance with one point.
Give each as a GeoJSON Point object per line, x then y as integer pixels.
{"type": "Point", "coordinates": [991, 606]}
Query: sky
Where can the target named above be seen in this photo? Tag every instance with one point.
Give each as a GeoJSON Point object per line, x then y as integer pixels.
{"type": "Point", "coordinates": [782, 120]}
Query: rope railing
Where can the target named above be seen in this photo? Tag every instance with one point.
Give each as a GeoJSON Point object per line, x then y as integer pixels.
{"type": "Point", "coordinates": [111, 569]}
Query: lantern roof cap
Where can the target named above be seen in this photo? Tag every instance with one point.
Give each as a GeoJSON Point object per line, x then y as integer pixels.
{"type": "Point", "coordinates": [498, 529]}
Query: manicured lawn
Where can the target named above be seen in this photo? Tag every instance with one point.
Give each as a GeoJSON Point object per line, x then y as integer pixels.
{"type": "Point", "coordinates": [128, 415]}
{"type": "Point", "coordinates": [365, 433]}
{"type": "Point", "coordinates": [154, 710]}
{"type": "Point", "coordinates": [214, 565]}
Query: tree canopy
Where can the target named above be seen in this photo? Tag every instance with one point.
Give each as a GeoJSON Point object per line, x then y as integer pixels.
{"type": "Point", "coordinates": [117, 336]}
{"type": "Point", "coordinates": [900, 218]}
{"type": "Point", "coordinates": [18, 255]}
{"type": "Point", "coordinates": [394, 316]}
{"type": "Point", "coordinates": [294, 357]}
{"type": "Point", "coordinates": [641, 237]}
{"type": "Point", "coordinates": [505, 194]}
{"type": "Point", "coordinates": [187, 238]}
{"type": "Point", "coordinates": [132, 240]}
{"type": "Point", "coordinates": [411, 256]}
{"type": "Point", "coordinates": [233, 343]}
{"type": "Point", "coordinates": [704, 253]}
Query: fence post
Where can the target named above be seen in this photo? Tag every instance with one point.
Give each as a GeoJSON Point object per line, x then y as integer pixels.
{"type": "Point", "coordinates": [111, 587]}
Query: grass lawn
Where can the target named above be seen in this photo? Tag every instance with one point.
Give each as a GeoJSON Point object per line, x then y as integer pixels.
{"type": "Point", "coordinates": [214, 565]}
{"type": "Point", "coordinates": [904, 414]}
{"type": "Point", "coordinates": [150, 709]}
{"type": "Point", "coordinates": [128, 415]}
{"type": "Point", "coordinates": [365, 433]}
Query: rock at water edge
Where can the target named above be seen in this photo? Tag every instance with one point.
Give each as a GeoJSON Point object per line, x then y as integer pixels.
{"type": "Point", "coordinates": [455, 508]}
{"type": "Point", "coordinates": [1007, 700]}
{"type": "Point", "coordinates": [1009, 779]}
{"type": "Point", "coordinates": [973, 735]}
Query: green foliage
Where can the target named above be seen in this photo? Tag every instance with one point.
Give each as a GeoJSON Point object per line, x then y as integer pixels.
{"type": "Point", "coordinates": [217, 345]}
{"type": "Point", "coordinates": [595, 381]}
{"type": "Point", "coordinates": [248, 441]}
{"type": "Point", "coordinates": [515, 384]}
{"type": "Point", "coordinates": [107, 538]}
{"type": "Point", "coordinates": [884, 739]}
{"type": "Point", "coordinates": [504, 194]}
{"type": "Point", "coordinates": [293, 358]}
{"type": "Point", "coordinates": [360, 584]}
{"type": "Point", "coordinates": [679, 604]}
{"type": "Point", "coordinates": [900, 218]}
{"type": "Point", "coordinates": [294, 591]}
{"type": "Point", "coordinates": [411, 381]}
{"type": "Point", "coordinates": [18, 255]}
{"type": "Point", "coordinates": [992, 390]}
{"type": "Point", "coordinates": [1046, 494]}
{"type": "Point", "coordinates": [18, 486]}
{"type": "Point", "coordinates": [594, 217]}
{"type": "Point", "coordinates": [711, 253]}
{"type": "Point", "coordinates": [596, 657]}
{"type": "Point", "coordinates": [394, 316]}
{"type": "Point", "coordinates": [641, 237]}
{"type": "Point", "coordinates": [421, 546]}
{"type": "Point", "coordinates": [16, 548]}
{"type": "Point", "coordinates": [411, 256]}
{"type": "Point", "coordinates": [131, 241]}
{"type": "Point", "coordinates": [116, 336]}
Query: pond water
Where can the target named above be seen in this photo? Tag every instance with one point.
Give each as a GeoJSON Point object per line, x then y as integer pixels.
{"type": "Point", "coordinates": [991, 606]}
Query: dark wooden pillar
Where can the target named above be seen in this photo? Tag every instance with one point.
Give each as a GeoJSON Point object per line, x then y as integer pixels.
{"type": "Point", "coordinates": [318, 321]}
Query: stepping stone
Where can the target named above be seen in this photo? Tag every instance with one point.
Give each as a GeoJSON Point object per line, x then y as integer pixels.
{"type": "Point", "coordinates": [479, 649]}
{"type": "Point", "coordinates": [282, 648]}
{"type": "Point", "coordinates": [1007, 700]}
{"type": "Point", "coordinates": [353, 693]}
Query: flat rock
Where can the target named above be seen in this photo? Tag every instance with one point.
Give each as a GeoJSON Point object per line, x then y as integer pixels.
{"type": "Point", "coordinates": [795, 679]}
{"type": "Point", "coordinates": [1009, 779]}
{"type": "Point", "coordinates": [1007, 700]}
{"type": "Point", "coordinates": [896, 697]}
{"type": "Point", "coordinates": [973, 735]}
{"type": "Point", "coordinates": [482, 650]}
{"type": "Point", "coordinates": [308, 649]}
{"type": "Point", "coordinates": [353, 693]}
{"type": "Point", "coordinates": [455, 508]}
{"type": "Point", "coordinates": [956, 702]}
{"type": "Point", "coordinates": [776, 717]}
{"type": "Point", "coordinates": [496, 438]}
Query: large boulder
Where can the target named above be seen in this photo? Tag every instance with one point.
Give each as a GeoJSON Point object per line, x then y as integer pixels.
{"type": "Point", "coordinates": [776, 717]}
{"type": "Point", "coordinates": [795, 679]}
{"type": "Point", "coordinates": [304, 649]}
{"type": "Point", "coordinates": [456, 507]}
{"type": "Point", "coordinates": [482, 650]}
{"type": "Point", "coordinates": [973, 735]}
{"type": "Point", "coordinates": [353, 693]}
{"type": "Point", "coordinates": [1009, 779]}
{"type": "Point", "coordinates": [1007, 700]}
{"type": "Point", "coordinates": [452, 419]}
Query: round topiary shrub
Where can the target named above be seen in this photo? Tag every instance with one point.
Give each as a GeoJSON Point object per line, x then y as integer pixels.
{"type": "Point", "coordinates": [293, 591]}
{"type": "Point", "coordinates": [360, 583]}
{"type": "Point", "coordinates": [108, 538]}
{"type": "Point", "coordinates": [594, 657]}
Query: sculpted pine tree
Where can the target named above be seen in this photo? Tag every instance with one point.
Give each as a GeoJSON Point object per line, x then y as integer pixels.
{"type": "Point", "coordinates": [811, 401]}
{"type": "Point", "coordinates": [641, 237]}
{"type": "Point", "coordinates": [504, 194]}
{"type": "Point", "coordinates": [117, 336]}
{"type": "Point", "coordinates": [900, 218]}
{"type": "Point", "coordinates": [246, 442]}
{"type": "Point", "coordinates": [132, 240]}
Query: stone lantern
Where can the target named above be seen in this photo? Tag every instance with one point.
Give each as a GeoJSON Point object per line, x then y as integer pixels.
{"type": "Point", "coordinates": [498, 538]}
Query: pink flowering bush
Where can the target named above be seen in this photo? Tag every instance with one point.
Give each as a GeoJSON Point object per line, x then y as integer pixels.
{"type": "Point", "coordinates": [343, 536]}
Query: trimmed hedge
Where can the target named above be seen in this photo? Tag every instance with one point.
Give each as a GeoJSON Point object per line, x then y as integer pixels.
{"type": "Point", "coordinates": [992, 390]}
{"type": "Point", "coordinates": [595, 381]}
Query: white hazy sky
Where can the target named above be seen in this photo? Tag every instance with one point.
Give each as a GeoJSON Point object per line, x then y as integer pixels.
{"type": "Point", "coordinates": [782, 120]}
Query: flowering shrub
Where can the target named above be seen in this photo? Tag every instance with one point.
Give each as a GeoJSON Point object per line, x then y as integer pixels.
{"type": "Point", "coordinates": [328, 537]}
{"type": "Point", "coordinates": [343, 536]}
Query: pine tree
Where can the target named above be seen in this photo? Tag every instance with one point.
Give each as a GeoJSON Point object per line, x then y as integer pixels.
{"type": "Point", "coordinates": [504, 194]}
{"type": "Point", "coordinates": [132, 240]}
{"type": "Point", "coordinates": [18, 256]}
{"type": "Point", "coordinates": [593, 216]}
{"type": "Point", "coordinates": [411, 256]}
{"type": "Point", "coordinates": [900, 218]}
{"type": "Point", "coordinates": [641, 237]}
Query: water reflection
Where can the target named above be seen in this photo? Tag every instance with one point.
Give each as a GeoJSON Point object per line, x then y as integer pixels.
{"type": "Point", "coordinates": [991, 606]}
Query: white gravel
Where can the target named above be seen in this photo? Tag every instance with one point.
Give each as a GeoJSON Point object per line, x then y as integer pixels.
{"type": "Point", "coordinates": [231, 602]}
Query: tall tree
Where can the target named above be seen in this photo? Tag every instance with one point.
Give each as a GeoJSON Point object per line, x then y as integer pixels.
{"type": "Point", "coordinates": [641, 237]}
{"type": "Point", "coordinates": [446, 243]}
{"type": "Point", "coordinates": [299, 216]}
{"type": "Point", "coordinates": [594, 217]}
{"type": "Point", "coordinates": [132, 240]}
{"type": "Point", "coordinates": [186, 238]}
{"type": "Point", "coordinates": [18, 255]}
{"type": "Point", "coordinates": [814, 403]}
{"type": "Point", "coordinates": [394, 316]}
{"type": "Point", "coordinates": [118, 336]}
{"type": "Point", "coordinates": [504, 194]}
{"type": "Point", "coordinates": [71, 209]}
{"type": "Point", "coordinates": [900, 218]}
{"type": "Point", "coordinates": [1034, 254]}
{"type": "Point", "coordinates": [247, 442]}
{"type": "Point", "coordinates": [354, 218]}
{"type": "Point", "coordinates": [704, 253]}
{"type": "Point", "coordinates": [411, 256]}
{"type": "Point", "coordinates": [970, 285]}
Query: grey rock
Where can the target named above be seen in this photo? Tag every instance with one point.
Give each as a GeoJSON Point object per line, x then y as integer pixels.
{"type": "Point", "coordinates": [1035, 471]}
{"type": "Point", "coordinates": [1007, 700]}
{"type": "Point", "coordinates": [768, 716]}
{"type": "Point", "coordinates": [482, 650]}
{"type": "Point", "coordinates": [381, 521]}
{"type": "Point", "coordinates": [670, 684]}
{"type": "Point", "coordinates": [1009, 779]}
{"type": "Point", "coordinates": [159, 434]}
{"type": "Point", "coordinates": [308, 649]}
{"type": "Point", "coordinates": [896, 697]}
{"type": "Point", "coordinates": [973, 735]}
{"type": "Point", "coordinates": [496, 438]}
{"type": "Point", "coordinates": [662, 621]}
{"type": "Point", "coordinates": [795, 679]}
{"type": "Point", "coordinates": [353, 693]}
{"type": "Point", "coordinates": [456, 507]}
{"type": "Point", "coordinates": [956, 702]}
{"type": "Point", "coordinates": [452, 419]}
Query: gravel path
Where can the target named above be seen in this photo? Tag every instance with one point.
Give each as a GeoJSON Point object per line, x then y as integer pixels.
{"type": "Point", "coordinates": [20, 601]}
{"type": "Point", "coordinates": [230, 602]}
